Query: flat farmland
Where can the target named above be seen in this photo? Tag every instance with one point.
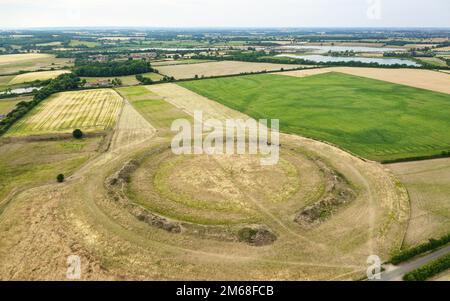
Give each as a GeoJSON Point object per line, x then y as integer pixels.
{"type": "Point", "coordinates": [153, 107]}
{"type": "Point", "coordinates": [374, 119]}
{"type": "Point", "coordinates": [12, 63]}
{"type": "Point", "coordinates": [91, 110]}
{"type": "Point", "coordinates": [16, 58]}
{"type": "Point", "coordinates": [4, 81]}
{"type": "Point", "coordinates": [8, 104]}
{"type": "Point", "coordinates": [180, 62]}
{"type": "Point", "coordinates": [128, 80]}
{"type": "Point", "coordinates": [429, 189]}
{"type": "Point", "coordinates": [424, 79]}
{"type": "Point", "coordinates": [32, 76]}
{"type": "Point", "coordinates": [219, 68]}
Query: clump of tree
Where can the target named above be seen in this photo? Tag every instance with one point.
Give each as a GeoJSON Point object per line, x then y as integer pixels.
{"type": "Point", "coordinates": [60, 178]}
{"type": "Point", "coordinates": [77, 134]}
{"type": "Point", "coordinates": [113, 68]}
{"type": "Point", "coordinates": [116, 82]}
{"type": "Point", "coordinates": [168, 79]}
{"type": "Point", "coordinates": [144, 80]}
{"type": "Point", "coordinates": [63, 82]}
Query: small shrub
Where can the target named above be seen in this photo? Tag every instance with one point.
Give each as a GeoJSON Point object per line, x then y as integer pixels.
{"type": "Point", "coordinates": [77, 134]}
{"type": "Point", "coordinates": [60, 178]}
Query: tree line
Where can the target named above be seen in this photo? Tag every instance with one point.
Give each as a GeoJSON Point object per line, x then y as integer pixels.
{"type": "Point", "coordinates": [431, 245]}
{"type": "Point", "coordinates": [112, 68]}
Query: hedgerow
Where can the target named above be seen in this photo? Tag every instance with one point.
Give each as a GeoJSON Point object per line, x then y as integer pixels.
{"type": "Point", "coordinates": [429, 270]}
{"type": "Point", "coordinates": [431, 245]}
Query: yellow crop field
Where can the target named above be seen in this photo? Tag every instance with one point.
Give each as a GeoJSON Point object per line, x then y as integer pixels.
{"type": "Point", "coordinates": [220, 68]}
{"type": "Point", "coordinates": [17, 58]}
{"type": "Point", "coordinates": [90, 111]}
{"type": "Point", "coordinates": [32, 76]}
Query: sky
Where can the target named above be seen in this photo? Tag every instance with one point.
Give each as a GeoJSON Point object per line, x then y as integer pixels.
{"type": "Point", "coordinates": [224, 13]}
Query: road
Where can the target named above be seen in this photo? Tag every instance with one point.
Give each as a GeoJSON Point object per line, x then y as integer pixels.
{"type": "Point", "coordinates": [395, 273]}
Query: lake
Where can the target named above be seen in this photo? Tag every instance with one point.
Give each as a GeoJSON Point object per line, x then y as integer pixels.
{"type": "Point", "coordinates": [326, 59]}
{"type": "Point", "coordinates": [21, 90]}
{"type": "Point", "coordinates": [324, 49]}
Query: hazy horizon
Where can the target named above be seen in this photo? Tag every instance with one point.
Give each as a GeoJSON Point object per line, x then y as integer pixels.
{"type": "Point", "coordinates": [31, 14]}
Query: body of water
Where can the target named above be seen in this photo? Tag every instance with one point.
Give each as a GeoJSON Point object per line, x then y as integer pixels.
{"type": "Point", "coordinates": [326, 59]}
{"type": "Point", "coordinates": [324, 49]}
{"type": "Point", "coordinates": [21, 90]}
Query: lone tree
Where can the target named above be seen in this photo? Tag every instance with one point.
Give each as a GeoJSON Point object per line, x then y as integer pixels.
{"type": "Point", "coordinates": [60, 178]}
{"type": "Point", "coordinates": [77, 134]}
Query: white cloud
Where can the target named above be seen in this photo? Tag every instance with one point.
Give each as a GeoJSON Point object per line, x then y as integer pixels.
{"type": "Point", "coordinates": [210, 13]}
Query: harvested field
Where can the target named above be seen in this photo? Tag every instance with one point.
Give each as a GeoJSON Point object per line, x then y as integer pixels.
{"type": "Point", "coordinates": [428, 184]}
{"type": "Point", "coordinates": [443, 49]}
{"type": "Point", "coordinates": [179, 62]}
{"type": "Point", "coordinates": [12, 63]}
{"type": "Point", "coordinates": [32, 76]}
{"type": "Point", "coordinates": [8, 104]}
{"type": "Point", "coordinates": [4, 81]}
{"type": "Point", "coordinates": [424, 79]}
{"type": "Point", "coordinates": [16, 58]}
{"type": "Point", "coordinates": [373, 119]}
{"type": "Point", "coordinates": [90, 111]}
{"type": "Point", "coordinates": [220, 68]}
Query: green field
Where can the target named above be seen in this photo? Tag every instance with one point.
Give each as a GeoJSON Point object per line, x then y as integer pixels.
{"type": "Point", "coordinates": [30, 163]}
{"type": "Point", "coordinates": [8, 104]}
{"type": "Point", "coordinates": [152, 107]}
{"type": "Point", "coordinates": [374, 119]}
{"type": "Point", "coordinates": [89, 44]}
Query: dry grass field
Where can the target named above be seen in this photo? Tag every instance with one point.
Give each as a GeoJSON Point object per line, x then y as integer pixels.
{"type": "Point", "coordinates": [443, 48]}
{"type": "Point", "coordinates": [219, 68]}
{"type": "Point", "coordinates": [425, 79]}
{"type": "Point", "coordinates": [8, 104]}
{"type": "Point", "coordinates": [179, 62]}
{"type": "Point", "coordinates": [32, 76]}
{"type": "Point", "coordinates": [12, 63]}
{"type": "Point", "coordinates": [428, 185]}
{"type": "Point", "coordinates": [108, 222]}
{"type": "Point", "coordinates": [16, 58]}
{"type": "Point", "coordinates": [24, 164]}
{"type": "Point", "coordinates": [4, 81]}
{"type": "Point", "coordinates": [90, 111]}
